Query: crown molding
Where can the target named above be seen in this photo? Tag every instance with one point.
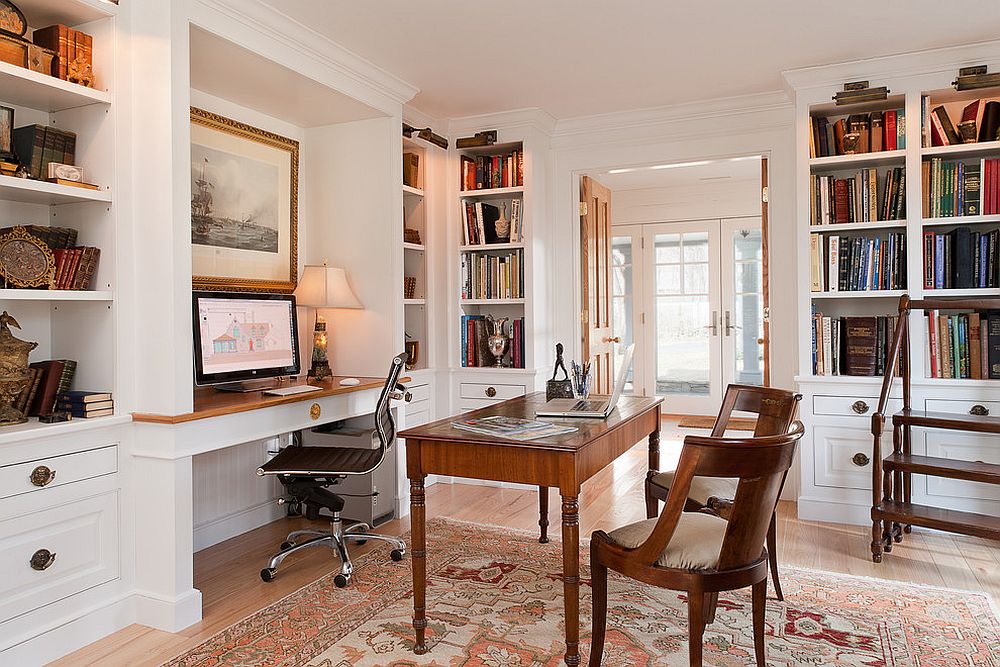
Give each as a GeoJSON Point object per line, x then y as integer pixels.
{"type": "Point", "coordinates": [946, 59]}
{"type": "Point", "coordinates": [533, 118]}
{"type": "Point", "coordinates": [418, 118]}
{"type": "Point", "coordinates": [273, 23]}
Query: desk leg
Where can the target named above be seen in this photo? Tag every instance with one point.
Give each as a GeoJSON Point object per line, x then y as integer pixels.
{"type": "Point", "coordinates": [543, 515]}
{"type": "Point", "coordinates": [571, 576]}
{"type": "Point", "coordinates": [652, 505]}
{"type": "Point", "coordinates": [418, 557]}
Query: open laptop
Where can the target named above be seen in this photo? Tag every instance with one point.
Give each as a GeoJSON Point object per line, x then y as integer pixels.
{"type": "Point", "coordinates": [594, 407]}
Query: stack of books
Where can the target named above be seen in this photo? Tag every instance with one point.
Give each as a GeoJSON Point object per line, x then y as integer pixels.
{"type": "Point", "coordinates": [836, 201]}
{"type": "Point", "coordinates": [853, 346]}
{"type": "Point", "coordinates": [961, 259]}
{"type": "Point", "coordinates": [963, 345]}
{"type": "Point", "coordinates": [982, 115]}
{"type": "Point", "coordinates": [486, 172]}
{"type": "Point", "coordinates": [75, 265]}
{"type": "Point", "coordinates": [86, 404]}
{"type": "Point", "coordinates": [47, 380]}
{"type": "Point", "coordinates": [951, 189]}
{"type": "Point", "coordinates": [492, 276]}
{"type": "Point", "coordinates": [879, 131]}
{"type": "Point", "coordinates": [858, 264]}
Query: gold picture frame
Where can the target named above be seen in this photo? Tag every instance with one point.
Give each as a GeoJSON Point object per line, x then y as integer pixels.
{"type": "Point", "coordinates": [244, 206]}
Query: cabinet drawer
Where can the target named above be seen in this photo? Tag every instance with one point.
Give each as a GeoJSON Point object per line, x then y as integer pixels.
{"type": "Point", "coordinates": [963, 407]}
{"type": "Point", "coordinates": [852, 406]}
{"type": "Point", "coordinates": [466, 405]}
{"type": "Point", "coordinates": [31, 475]}
{"type": "Point", "coordinates": [490, 392]}
{"type": "Point", "coordinates": [962, 447]}
{"type": "Point", "coordinates": [83, 536]}
{"type": "Point", "coordinates": [419, 414]}
{"type": "Point", "coordinates": [834, 459]}
{"type": "Point", "coordinates": [419, 392]}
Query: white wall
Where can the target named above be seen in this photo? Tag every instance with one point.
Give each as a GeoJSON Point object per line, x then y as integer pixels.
{"type": "Point", "coordinates": [718, 199]}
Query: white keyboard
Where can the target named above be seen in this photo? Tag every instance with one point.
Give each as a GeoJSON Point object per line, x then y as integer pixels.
{"type": "Point", "coordinates": [292, 390]}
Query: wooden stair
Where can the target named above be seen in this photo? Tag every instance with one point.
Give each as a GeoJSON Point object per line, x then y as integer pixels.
{"type": "Point", "coordinates": [954, 521]}
{"type": "Point", "coordinates": [973, 471]}
{"type": "Point", "coordinates": [947, 420]}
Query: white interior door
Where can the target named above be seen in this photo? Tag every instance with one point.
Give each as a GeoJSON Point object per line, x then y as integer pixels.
{"type": "Point", "coordinates": [742, 266]}
{"type": "Point", "coordinates": [627, 302]}
{"type": "Point", "coordinates": [682, 288]}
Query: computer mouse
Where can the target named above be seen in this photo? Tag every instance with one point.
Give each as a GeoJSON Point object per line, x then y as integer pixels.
{"type": "Point", "coordinates": [350, 382]}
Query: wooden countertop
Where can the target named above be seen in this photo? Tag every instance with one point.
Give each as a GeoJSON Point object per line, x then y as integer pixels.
{"type": "Point", "coordinates": [211, 403]}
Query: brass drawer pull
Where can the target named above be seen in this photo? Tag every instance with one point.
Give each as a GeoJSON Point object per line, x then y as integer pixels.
{"type": "Point", "coordinates": [979, 410]}
{"type": "Point", "coordinates": [42, 476]}
{"type": "Point", "coordinates": [315, 411]}
{"type": "Point", "coordinates": [861, 459]}
{"type": "Point", "coordinates": [42, 560]}
{"type": "Point", "coordinates": [860, 407]}
{"type": "Point", "coordinates": [491, 391]}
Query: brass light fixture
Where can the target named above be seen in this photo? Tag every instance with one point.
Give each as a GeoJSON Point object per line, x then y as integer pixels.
{"type": "Point", "coordinates": [427, 134]}
{"type": "Point", "coordinates": [973, 78]}
{"type": "Point", "coordinates": [857, 92]}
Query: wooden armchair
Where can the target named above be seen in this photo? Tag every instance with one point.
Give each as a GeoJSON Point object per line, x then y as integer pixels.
{"type": "Point", "coordinates": [775, 410]}
{"type": "Point", "coordinates": [698, 552]}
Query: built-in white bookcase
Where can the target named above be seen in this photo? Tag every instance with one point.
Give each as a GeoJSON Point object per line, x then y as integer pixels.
{"type": "Point", "coordinates": [416, 217]}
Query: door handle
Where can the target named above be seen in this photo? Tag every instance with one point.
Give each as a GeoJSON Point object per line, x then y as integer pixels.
{"type": "Point", "coordinates": [730, 327]}
{"type": "Point", "coordinates": [714, 326]}
{"type": "Point", "coordinates": [609, 339]}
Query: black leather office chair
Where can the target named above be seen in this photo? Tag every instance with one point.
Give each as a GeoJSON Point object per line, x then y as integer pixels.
{"type": "Point", "coordinates": [307, 472]}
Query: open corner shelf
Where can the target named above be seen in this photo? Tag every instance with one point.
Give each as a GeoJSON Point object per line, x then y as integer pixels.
{"type": "Point", "coordinates": [55, 295]}
{"type": "Point", "coordinates": [23, 87]}
{"type": "Point", "coordinates": [409, 191]}
{"type": "Point", "coordinates": [856, 160]}
{"type": "Point", "coordinates": [985, 148]}
{"type": "Point", "coordinates": [487, 193]}
{"type": "Point", "coordinates": [28, 191]}
{"type": "Point", "coordinates": [35, 429]}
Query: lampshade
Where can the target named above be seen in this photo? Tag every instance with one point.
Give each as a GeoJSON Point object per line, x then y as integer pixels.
{"type": "Point", "coordinates": [325, 287]}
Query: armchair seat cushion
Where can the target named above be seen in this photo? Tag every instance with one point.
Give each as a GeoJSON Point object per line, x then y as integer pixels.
{"type": "Point", "coordinates": [702, 488]}
{"type": "Point", "coordinates": [695, 544]}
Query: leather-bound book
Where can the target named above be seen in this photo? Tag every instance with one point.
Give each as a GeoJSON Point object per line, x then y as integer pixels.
{"type": "Point", "coordinates": [839, 130]}
{"type": "Point", "coordinates": [49, 387]}
{"type": "Point", "coordinates": [946, 125]}
{"type": "Point", "coordinates": [861, 345]}
{"type": "Point", "coordinates": [841, 201]}
{"type": "Point", "coordinates": [990, 122]}
{"type": "Point", "coordinates": [993, 343]}
{"type": "Point", "coordinates": [56, 38]}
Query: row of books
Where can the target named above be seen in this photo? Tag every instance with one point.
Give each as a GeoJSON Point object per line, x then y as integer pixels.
{"type": "Point", "coordinates": [486, 172]}
{"type": "Point", "coordinates": [980, 118]}
{"type": "Point", "coordinates": [961, 259]}
{"type": "Point", "coordinates": [72, 46]}
{"type": "Point", "coordinates": [878, 130]}
{"type": "Point", "coordinates": [855, 346]}
{"type": "Point", "coordinates": [962, 345]}
{"type": "Point", "coordinates": [492, 276]}
{"type": "Point", "coordinates": [857, 264]}
{"type": "Point", "coordinates": [38, 145]}
{"type": "Point", "coordinates": [46, 379]}
{"type": "Point", "coordinates": [75, 265]}
{"type": "Point", "coordinates": [475, 348]}
{"type": "Point", "coordinates": [480, 223]}
{"type": "Point", "coordinates": [950, 189]}
{"type": "Point", "coordinates": [836, 201]}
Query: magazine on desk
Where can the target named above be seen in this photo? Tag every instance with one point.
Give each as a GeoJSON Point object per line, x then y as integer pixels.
{"type": "Point", "coordinates": [512, 428]}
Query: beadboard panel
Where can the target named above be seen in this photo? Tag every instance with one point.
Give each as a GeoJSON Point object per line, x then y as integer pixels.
{"type": "Point", "coordinates": [229, 497]}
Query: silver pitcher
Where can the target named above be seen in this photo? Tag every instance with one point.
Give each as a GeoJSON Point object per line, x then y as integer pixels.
{"type": "Point", "coordinates": [498, 341]}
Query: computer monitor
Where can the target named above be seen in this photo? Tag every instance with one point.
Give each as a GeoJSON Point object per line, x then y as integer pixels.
{"type": "Point", "coordinates": [240, 339]}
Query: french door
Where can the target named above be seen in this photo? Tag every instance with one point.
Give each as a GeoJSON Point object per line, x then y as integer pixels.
{"type": "Point", "coordinates": [690, 294]}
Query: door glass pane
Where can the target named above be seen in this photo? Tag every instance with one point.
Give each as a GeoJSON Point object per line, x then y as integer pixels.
{"type": "Point", "coordinates": [748, 306]}
{"type": "Point", "coordinates": [682, 313]}
{"type": "Point", "coordinates": [622, 301]}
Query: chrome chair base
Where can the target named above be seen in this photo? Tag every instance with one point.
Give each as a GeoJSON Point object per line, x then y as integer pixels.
{"type": "Point", "coordinates": [337, 538]}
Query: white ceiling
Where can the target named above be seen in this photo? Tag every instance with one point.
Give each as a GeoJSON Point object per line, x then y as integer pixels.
{"type": "Point", "coordinates": [583, 57]}
{"type": "Point", "coordinates": [681, 174]}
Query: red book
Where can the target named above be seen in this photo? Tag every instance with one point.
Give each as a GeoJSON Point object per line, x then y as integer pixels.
{"type": "Point", "coordinates": [841, 203]}
{"type": "Point", "coordinates": [889, 127]}
{"type": "Point", "coordinates": [46, 397]}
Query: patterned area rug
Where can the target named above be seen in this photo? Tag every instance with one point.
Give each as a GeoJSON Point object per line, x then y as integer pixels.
{"type": "Point", "coordinates": [495, 600]}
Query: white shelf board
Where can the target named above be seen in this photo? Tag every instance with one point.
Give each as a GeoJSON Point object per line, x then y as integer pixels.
{"type": "Point", "coordinates": [858, 226]}
{"type": "Point", "coordinates": [857, 160]}
{"type": "Point", "coordinates": [34, 429]}
{"type": "Point", "coordinates": [70, 12]}
{"type": "Point", "coordinates": [415, 247]}
{"type": "Point", "coordinates": [414, 302]}
{"type": "Point", "coordinates": [491, 192]}
{"type": "Point", "coordinates": [491, 246]}
{"type": "Point", "coordinates": [960, 382]}
{"type": "Point", "coordinates": [494, 369]}
{"type": "Point", "coordinates": [22, 87]}
{"type": "Point", "coordinates": [859, 294]}
{"type": "Point", "coordinates": [984, 149]}
{"type": "Point", "coordinates": [961, 220]}
{"type": "Point", "coordinates": [843, 379]}
{"type": "Point", "coordinates": [491, 302]}
{"type": "Point", "coordinates": [55, 295]}
{"type": "Point", "coordinates": [29, 191]}
{"type": "Point", "coordinates": [413, 192]}
{"type": "Point", "coordinates": [971, 293]}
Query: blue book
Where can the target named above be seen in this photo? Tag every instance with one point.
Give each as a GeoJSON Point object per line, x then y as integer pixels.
{"type": "Point", "coordinates": [984, 251]}
{"type": "Point", "coordinates": [939, 261]}
{"type": "Point", "coordinates": [464, 342]}
{"type": "Point", "coordinates": [900, 128]}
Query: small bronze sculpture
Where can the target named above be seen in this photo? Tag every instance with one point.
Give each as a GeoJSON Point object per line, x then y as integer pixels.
{"type": "Point", "coordinates": [13, 370]}
{"type": "Point", "coordinates": [559, 388]}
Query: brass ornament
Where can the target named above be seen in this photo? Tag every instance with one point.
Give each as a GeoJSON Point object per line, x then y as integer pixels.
{"type": "Point", "coordinates": [12, 21]}
{"type": "Point", "coordinates": [81, 72]}
{"type": "Point", "coordinates": [13, 370]}
{"type": "Point", "coordinates": [25, 260]}
{"type": "Point", "coordinates": [42, 560]}
{"type": "Point", "coordinates": [42, 476]}
{"type": "Point", "coordinates": [315, 411]}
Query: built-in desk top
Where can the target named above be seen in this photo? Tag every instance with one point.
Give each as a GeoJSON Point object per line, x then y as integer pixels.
{"type": "Point", "coordinates": [211, 403]}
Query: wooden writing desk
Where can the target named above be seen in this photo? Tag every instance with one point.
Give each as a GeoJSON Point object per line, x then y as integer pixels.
{"type": "Point", "coordinates": [564, 461]}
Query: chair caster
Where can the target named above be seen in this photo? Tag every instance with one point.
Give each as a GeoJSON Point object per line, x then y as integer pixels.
{"type": "Point", "coordinates": [268, 574]}
{"type": "Point", "coordinates": [396, 554]}
{"type": "Point", "coordinates": [286, 545]}
{"type": "Point", "coordinates": [340, 581]}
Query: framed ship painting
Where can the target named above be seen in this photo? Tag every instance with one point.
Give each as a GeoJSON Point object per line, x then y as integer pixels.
{"type": "Point", "coordinates": [244, 206]}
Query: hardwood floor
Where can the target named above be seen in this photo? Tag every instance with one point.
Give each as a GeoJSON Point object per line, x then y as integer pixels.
{"type": "Point", "coordinates": [227, 574]}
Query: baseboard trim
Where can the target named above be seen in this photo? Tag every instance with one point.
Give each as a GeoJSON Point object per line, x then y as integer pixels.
{"type": "Point", "coordinates": [833, 511]}
{"type": "Point", "coordinates": [169, 614]}
{"type": "Point", "coordinates": [231, 525]}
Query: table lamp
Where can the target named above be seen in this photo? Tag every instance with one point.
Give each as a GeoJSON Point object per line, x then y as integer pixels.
{"type": "Point", "coordinates": [324, 287]}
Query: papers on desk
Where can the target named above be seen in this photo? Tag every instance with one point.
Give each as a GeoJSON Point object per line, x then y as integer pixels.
{"type": "Point", "coordinates": [512, 428]}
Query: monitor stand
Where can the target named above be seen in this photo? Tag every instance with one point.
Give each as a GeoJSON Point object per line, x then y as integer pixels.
{"type": "Point", "coordinates": [247, 386]}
